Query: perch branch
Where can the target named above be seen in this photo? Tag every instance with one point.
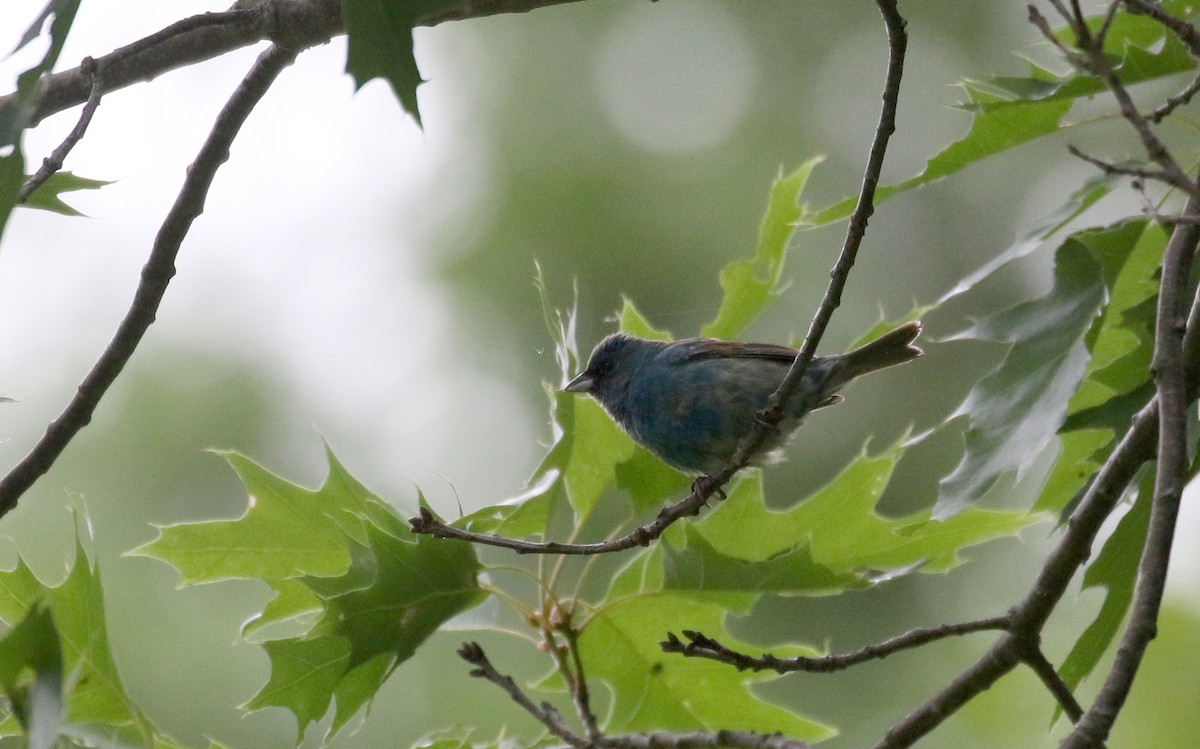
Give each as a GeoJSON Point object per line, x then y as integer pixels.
{"type": "Point", "coordinates": [157, 273]}
{"type": "Point", "coordinates": [855, 232]}
{"type": "Point", "coordinates": [706, 487]}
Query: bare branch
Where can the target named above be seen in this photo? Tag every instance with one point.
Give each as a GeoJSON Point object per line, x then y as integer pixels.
{"type": "Point", "coordinates": [426, 522]}
{"type": "Point", "coordinates": [856, 231]}
{"type": "Point", "coordinates": [52, 163]}
{"type": "Point", "coordinates": [156, 275]}
{"type": "Point", "coordinates": [472, 653]}
{"type": "Point", "coordinates": [579, 689]}
{"type": "Point", "coordinates": [1045, 671]}
{"type": "Point", "coordinates": [1123, 170]}
{"type": "Point", "coordinates": [1170, 377]}
{"type": "Point", "coordinates": [1030, 615]}
{"type": "Point", "coordinates": [701, 646]}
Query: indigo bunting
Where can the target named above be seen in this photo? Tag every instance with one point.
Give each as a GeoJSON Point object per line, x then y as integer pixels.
{"type": "Point", "coordinates": [692, 401]}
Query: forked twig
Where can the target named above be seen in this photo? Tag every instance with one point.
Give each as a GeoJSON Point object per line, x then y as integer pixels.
{"type": "Point", "coordinates": [54, 162]}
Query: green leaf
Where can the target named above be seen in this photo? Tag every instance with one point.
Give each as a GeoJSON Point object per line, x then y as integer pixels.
{"type": "Point", "coordinates": [46, 197]}
{"type": "Point", "coordinates": [750, 283]}
{"type": "Point", "coordinates": [650, 482]}
{"type": "Point", "coordinates": [16, 111]}
{"type": "Point", "coordinates": [1078, 459]}
{"type": "Point", "coordinates": [356, 591]}
{"type": "Point", "coordinates": [56, 665]}
{"type": "Point", "coordinates": [1014, 412]}
{"type": "Point", "coordinates": [31, 675]}
{"type": "Point", "coordinates": [285, 532]}
{"type": "Point", "coordinates": [381, 44]}
{"type": "Point", "coordinates": [993, 131]}
{"type": "Point", "coordinates": [700, 567]}
{"type": "Point", "coordinates": [1009, 111]}
{"type": "Point", "coordinates": [97, 699]}
{"type": "Point", "coordinates": [1123, 341]}
{"type": "Point", "coordinates": [631, 320]}
{"type": "Point", "coordinates": [653, 691]}
{"type": "Point", "coordinates": [1114, 569]}
{"type": "Point", "coordinates": [839, 530]}
{"type": "Point", "coordinates": [304, 674]}
{"type": "Point", "coordinates": [12, 175]}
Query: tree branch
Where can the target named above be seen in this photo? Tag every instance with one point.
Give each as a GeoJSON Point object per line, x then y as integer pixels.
{"type": "Point", "coordinates": [292, 23]}
{"type": "Point", "coordinates": [701, 646]}
{"type": "Point", "coordinates": [857, 229]}
{"type": "Point", "coordinates": [472, 653]}
{"type": "Point", "coordinates": [156, 275]}
{"type": "Point", "coordinates": [1170, 378]}
{"type": "Point", "coordinates": [1030, 615]}
{"type": "Point", "coordinates": [1045, 671]}
{"type": "Point", "coordinates": [54, 162]}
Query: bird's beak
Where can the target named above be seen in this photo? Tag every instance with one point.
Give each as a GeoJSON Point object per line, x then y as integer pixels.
{"type": "Point", "coordinates": [581, 384]}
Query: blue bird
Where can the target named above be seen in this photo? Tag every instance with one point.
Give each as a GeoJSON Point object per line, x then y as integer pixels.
{"type": "Point", "coordinates": [690, 402]}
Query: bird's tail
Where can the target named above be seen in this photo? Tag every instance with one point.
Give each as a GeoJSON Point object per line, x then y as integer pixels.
{"type": "Point", "coordinates": [888, 350]}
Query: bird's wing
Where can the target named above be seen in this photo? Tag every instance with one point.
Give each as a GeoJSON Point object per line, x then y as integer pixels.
{"type": "Point", "coordinates": [695, 349]}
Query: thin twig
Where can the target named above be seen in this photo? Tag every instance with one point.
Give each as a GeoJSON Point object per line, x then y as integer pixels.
{"type": "Point", "coordinates": [157, 273]}
{"type": "Point", "coordinates": [1160, 113]}
{"type": "Point", "coordinates": [702, 740]}
{"type": "Point", "coordinates": [52, 163]}
{"type": "Point", "coordinates": [427, 523]}
{"type": "Point", "coordinates": [472, 653]}
{"type": "Point", "coordinates": [1170, 378]}
{"type": "Point", "coordinates": [1096, 62]}
{"type": "Point", "coordinates": [701, 646]}
{"type": "Point", "coordinates": [1123, 170]}
{"type": "Point", "coordinates": [580, 693]}
{"type": "Point", "coordinates": [856, 231]}
{"type": "Point", "coordinates": [1037, 661]}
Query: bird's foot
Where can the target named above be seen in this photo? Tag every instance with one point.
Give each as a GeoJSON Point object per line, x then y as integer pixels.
{"type": "Point", "coordinates": [706, 485]}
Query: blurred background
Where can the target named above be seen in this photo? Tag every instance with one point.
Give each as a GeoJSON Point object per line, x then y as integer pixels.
{"type": "Point", "coordinates": [359, 281]}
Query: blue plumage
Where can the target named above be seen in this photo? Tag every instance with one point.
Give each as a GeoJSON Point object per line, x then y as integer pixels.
{"type": "Point", "coordinates": [690, 402]}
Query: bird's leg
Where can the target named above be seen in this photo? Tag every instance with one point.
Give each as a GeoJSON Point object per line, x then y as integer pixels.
{"type": "Point", "coordinates": [704, 483]}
